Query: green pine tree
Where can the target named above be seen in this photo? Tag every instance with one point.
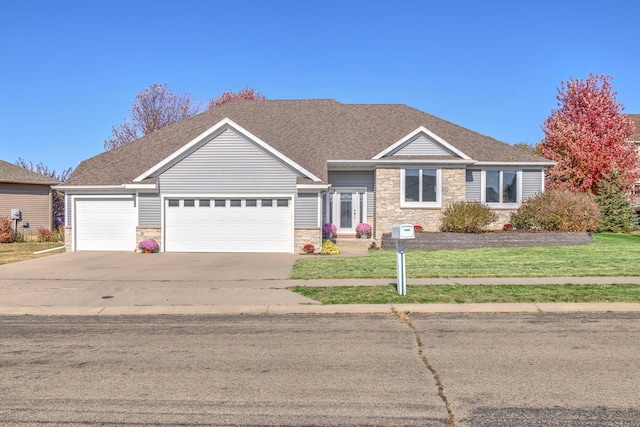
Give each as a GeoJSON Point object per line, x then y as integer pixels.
{"type": "Point", "coordinates": [617, 214]}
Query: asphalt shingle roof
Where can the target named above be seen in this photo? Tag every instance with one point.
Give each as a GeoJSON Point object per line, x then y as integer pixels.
{"type": "Point", "coordinates": [19, 175]}
{"type": "Point", "coordinates": [635, 136]}
{"type": "Point", "coordinates": [309, 132]}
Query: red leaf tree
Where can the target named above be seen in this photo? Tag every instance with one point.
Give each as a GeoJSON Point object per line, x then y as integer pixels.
{"type": "Point", "coordinates": [587, 135]}
{"type": "Point", "coordinates": [228, 96]}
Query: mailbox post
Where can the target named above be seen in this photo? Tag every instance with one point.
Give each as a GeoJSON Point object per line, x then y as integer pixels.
{"type": "Point", "coordinates": [401, 232]}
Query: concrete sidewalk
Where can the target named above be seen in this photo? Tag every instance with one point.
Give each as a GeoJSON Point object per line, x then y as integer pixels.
{"type": "Point", "coordinates": [139, 297]}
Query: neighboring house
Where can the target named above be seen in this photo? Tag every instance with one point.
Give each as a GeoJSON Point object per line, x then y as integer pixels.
{"type": "Point", "coordinates": [30, 193]}
{"type": "Point", "coordinates": [635, 138]}
{"type": "Point", "coordinates": [263, 176]}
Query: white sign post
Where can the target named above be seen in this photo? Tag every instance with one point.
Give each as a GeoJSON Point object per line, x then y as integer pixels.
{"type": "Point", "coordinates": [401, 232]}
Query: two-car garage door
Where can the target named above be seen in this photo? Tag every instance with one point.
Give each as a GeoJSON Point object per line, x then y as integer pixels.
{"type": "Point", "coordinates": [191, 224]}
{"type": "Point", "coordinates": [228, 225]}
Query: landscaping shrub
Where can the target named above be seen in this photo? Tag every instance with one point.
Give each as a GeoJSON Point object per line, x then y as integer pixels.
{"type": "Point", "coordinates": [6, 230]}
{"type": "Point", "coordinates": [617, 214]}
{"type": "Point", "coordinates": [466, 217]}
{"type": "Point", "coordinates": [558, 210]}
{"type": "Point", "coordinates": [44, 234]}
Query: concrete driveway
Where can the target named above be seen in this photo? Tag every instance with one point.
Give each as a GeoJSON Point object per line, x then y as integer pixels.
{"type": "Point", "coordinates": [115, 282]}
{"type": "Point", "coordinates": [132, 267]}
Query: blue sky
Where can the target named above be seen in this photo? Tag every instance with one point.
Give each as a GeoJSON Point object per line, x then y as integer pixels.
{"type": "Point", "coordinates": [70, 70]}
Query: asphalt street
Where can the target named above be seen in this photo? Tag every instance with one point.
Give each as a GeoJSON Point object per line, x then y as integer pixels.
{"type": "Point", "coordinates": [294, 370]}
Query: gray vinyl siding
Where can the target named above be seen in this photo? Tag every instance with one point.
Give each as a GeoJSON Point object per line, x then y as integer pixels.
{"type": "Point", "coordinates": [531, 182]}
{"type": "Point", "coordinates": [306, 210]}
{"type": "Point", "coordinates": [149, 210]}
{"type": "Point", "coordinates": [423, 146]}
{"type": "Point", "coordinates": [473, 189]}
{"type": "Point", "coordinates": [69, 203]}
{"type": "Point", "coordinates": [32, 200]}
{"type": "Point", "coordinates": [68, 217]}
{"type": "Point", "coordinates": [228, 164]}
{"type": "Point", "coordinates": [356, 179]}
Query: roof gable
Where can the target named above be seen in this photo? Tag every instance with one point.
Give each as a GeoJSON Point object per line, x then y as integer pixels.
{"type": "Point", "coordinates": [422, 142]}
{"type": "Point", "coordinates": [210, 134]}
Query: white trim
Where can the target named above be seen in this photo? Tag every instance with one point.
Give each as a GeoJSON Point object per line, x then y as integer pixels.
{"type": "Point", "coordinates": [349, 164]}
{"type": "Point", "coordinates": [101, 196]}
{"type": "Point", "coordinates": [515, 164]}
{"type": "Point", "coordinates": [318, 187]}
{"type": "Point", "coordinates": [226, 195]}
{"type": "Point", "coordinates": [320, 197]}
{"type": "Point", "coordinates": [499, 205]}
{"type": "Point", "coordinates": [66, 210]}
{"type": "Point", "coordinates": [151, 187]}
{"type": "Point", "coordinates": [415, 133]}
{"type": "Point", "coordinates": [436, 204]}
{"type": "Point", "coordinates": [219, 128]}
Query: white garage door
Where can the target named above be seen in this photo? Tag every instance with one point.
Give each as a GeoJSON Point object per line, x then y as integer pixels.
{"type": "Point", "coordinates": [105, 225]}
{"type": "Point", "coordinates": [228, 225]}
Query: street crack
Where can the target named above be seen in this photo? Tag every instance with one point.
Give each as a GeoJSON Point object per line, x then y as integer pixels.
{"type": "Point", "coordinates": [404, 317]}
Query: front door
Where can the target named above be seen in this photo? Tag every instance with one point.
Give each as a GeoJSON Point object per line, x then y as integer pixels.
{"type": "Point", "coordinates": [348, 209]}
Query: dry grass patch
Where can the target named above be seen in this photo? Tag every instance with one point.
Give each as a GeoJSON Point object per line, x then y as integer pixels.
{"type": "Point", "coordinates": [22, 251]}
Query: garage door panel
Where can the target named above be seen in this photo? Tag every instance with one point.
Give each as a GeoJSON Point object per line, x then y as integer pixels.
{"type": "Point", "coordinates": [105, 224]}
{"type": "Point", "coordinates": [217, 228]}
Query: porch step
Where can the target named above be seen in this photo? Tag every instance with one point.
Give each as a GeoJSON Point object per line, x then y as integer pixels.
{"type": "Point", "coordinates": [354, 246]}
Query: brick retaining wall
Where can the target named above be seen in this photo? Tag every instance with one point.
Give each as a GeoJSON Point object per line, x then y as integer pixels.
{"type": "Point", "coordinates": [507, 239]}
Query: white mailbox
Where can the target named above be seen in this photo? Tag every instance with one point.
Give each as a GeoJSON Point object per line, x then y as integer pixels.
{"type": "Point", "coordinates": [402, 231]}
{"type": "Point", "coordinates": [15, 213]}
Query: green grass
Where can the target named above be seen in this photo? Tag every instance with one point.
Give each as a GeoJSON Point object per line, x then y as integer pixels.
{"type": "Point", "coordinates": [609, 255]}
{"type": "Point", "coordinates": [465, 294]}
{"type": "Point", "coordinates": [22, 251]}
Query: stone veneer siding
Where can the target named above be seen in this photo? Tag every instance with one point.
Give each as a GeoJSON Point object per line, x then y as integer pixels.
{"type": "Point", "coordinates": [389, 212]}
{"type": "Point", "coordinates": [67, 239]}
{"type": "Point", "coordinates": [143, 233]}
{"type": "Point", "coordinates": [303, 236]}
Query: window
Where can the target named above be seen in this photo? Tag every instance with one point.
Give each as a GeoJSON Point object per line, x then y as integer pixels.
{"type": "Point", "coordinates": [251, 203]}
{"type": "Point", "coordinates": [501, 186]}
{"type": "Point", "coordinates": [220, 203]}
{"type": "Point", "coordinates": [189, 203]}
{"type": "Point", "coordinates": [174, 203]}
{"type": "Point", "coordinates": [204, 203]}
{"type": "Point", "coordinates": [235, 203]}
{"type": "Point", "coordinates": [421, 187]}
{"type": "Point", "coordinates": [283, 202]}
{"type": "Point", "coordinates": [267, 202]}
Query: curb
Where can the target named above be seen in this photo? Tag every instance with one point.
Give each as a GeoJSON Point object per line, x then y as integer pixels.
{"type": "Point", "coordinates": [285, 309]}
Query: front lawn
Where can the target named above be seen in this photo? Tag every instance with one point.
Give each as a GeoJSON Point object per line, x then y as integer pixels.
{"type": "Point", "coordinates": [609, 255]}
{"type": "Point", "coordinates": [21, 251]}
{"type": "Point", "coordinates": [465, 294]}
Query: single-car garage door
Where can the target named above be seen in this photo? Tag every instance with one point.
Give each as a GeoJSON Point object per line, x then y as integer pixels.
{"type": "Point", "coordinates": [228, 225]}
{"type": "Point", "coordinates": [105, 224]}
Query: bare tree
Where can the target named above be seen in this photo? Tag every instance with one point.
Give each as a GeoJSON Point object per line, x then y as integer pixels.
{"type": "Point", "coordinates": [157, 106]}
{"type": "Point", "coordinates": [154, 107]}
{"type": "Point", "coordinates": [57, 196]}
